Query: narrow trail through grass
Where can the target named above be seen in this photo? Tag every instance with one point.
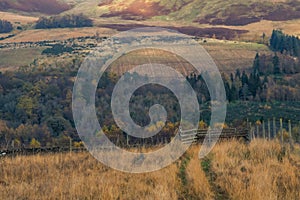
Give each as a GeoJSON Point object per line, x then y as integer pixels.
{"type": "Point", "coordinates": [219, 193]}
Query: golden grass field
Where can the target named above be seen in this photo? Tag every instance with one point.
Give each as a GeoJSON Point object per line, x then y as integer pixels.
{"type": "Point", "coordinates": [233, 170]}
{"type": "Point", "coordinates": [17, 18]}
{"type": "Point", "coordinates": [227, 55]}
{"type": "Point", "coordinates": [37, 35]}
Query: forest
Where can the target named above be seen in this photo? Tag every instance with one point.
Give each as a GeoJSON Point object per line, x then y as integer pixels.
{"type": "Point", "coordinates": [66, 21]}
{"type": "Point", "coordinates": [36, 104]}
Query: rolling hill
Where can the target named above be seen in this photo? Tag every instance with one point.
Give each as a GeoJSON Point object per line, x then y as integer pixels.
{"type": "Point", "coordinates": [44, 6]}
{"type": "Point", "coordinates": [214, 12]}
{"type": "Point", "coordinates": [230, 12]}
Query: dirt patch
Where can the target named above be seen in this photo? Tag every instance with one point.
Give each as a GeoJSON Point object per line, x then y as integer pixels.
{"type": "Point", "coordinates": [218, 32]}
{"type": "Point", "coordinates": [44, 6]}
{"type": "Point", "coordinates": [138, 10]}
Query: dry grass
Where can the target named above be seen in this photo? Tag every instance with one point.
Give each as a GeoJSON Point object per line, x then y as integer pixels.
{"type": "Point", "coordinates": [16, 18]}
{"type": "Point", "coordinates": [57, 34]}
{"type": "Point", "coordinates": [227, 55]}
{"type": "Point", "coordinates": [80, 176]}
{"type": "Point", "coordinates": [230, 56]}
{"type": "Point", "coordinates": [198, 183]}
{"type": "Point", "coordinates": [11, 58]}
{"type": "Point", "coordinates": [256, 30]}
{"type": "Point", "coordinates": [255, 171]}
{"type": "Point", "coordinates": [258, 171]}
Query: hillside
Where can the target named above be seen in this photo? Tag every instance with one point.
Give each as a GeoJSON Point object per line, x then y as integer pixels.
{"type": "Point", "coordinates": [261, 170]}
{"type": "Point", "coordinates": [44, 6]}
{"type": "Point", "coordinates": [230, 12]}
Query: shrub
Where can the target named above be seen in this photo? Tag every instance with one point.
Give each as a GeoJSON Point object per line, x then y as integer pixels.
{"type": "Point", "coordinates": [5, 26]}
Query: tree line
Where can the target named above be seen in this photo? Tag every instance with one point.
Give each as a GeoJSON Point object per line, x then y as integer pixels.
{"type": "Point", "coordinates": [35, 106]}
{"type": "Point", "coordinates": [66, 21]}
{"type": "Point", "coordinates": [284, 43]}
{"type": "Point", "coordinates": [5, 26]}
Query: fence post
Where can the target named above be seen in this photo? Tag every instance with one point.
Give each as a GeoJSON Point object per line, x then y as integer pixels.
{"type": "Point", "coordinates": [281, 130]}
{"type": "Point", "coordinates": [274, 127]}
{"type": "Point", "coordinates": [264, 130]}
{"type": "Point", "coordinates": [250, 131]}
{"type": "Point", "coordinates": [269, 129]}
{"type": "Point", "coordinates": [209, 137]}
{"type": "Point", "coordinates": [290, 132]}
{"type": "Point", "coordinates": [127, 140]}
{"type": "Point", "coordinates": [70, 144]}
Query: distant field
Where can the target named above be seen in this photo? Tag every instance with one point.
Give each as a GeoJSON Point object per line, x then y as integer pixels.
{"type": "Point", "coordinates": [251, 32]}
{"type": "Point", "coordinates": [57, 34]}
{"type": "Point", "coordinates": [10, 58]}
{"type": "Point", "coordinates": [256, 30]}
{"type": "Point", "coordinates": [233, 170]}
{"type": "Point", "coordinates": [227, 55]}
{"type": "Point", "coordinates": [17, 18]}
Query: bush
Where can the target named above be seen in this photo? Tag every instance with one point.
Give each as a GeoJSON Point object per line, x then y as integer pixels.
{"type": "Point", "coordinates": [67, 21]}
{"type": "Point", "coordinates": [5, 26]}
{"type": "Point", "coordinates": [57, 49]}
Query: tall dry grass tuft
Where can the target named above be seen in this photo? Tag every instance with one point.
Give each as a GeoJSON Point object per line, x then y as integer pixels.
{"type": "Point", "coordinates": [262, 170]}
{"type": "Point", "coordinates": [80, 176]}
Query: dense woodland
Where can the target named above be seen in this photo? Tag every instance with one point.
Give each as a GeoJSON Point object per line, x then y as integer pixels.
{"type": "Point", "coordinates": [5, 26]}
{"type": "Point", "coordinates": [35, 104]}
{"type": "Point", "coordinates": [66, 21]}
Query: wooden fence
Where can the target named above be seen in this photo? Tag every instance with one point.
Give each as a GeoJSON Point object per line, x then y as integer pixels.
{"type": "Point", "coordinates": [197, 135]}
{"type": "Point", "coordinates": [271, 129]}
{"type": "Point", "coordinates": [275, 129]}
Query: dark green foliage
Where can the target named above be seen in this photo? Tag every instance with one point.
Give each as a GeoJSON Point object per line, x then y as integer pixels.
{"type": "Point", "coordinates": [285, 43]}
{"type": "Point", "coordinates": [58, 125]}
{"type": "Point", "coordinates": [276, 63]}
{"type": "Point", "coordinates": [57, 49]}
{"type": "Point", "coordinates": [5, 26]}
{"type": "Point", "coordinates": [66, 21]}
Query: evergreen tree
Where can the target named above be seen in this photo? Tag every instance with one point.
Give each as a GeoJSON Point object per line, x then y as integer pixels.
{"type": "Point", "coordinates": [238, 74]}
{"type": "Point", "coordinates": [280, 42]}
{"type": "Point", "coordinates": [276, 64]}
{"type": "Point", "coordinates": [256, 63]}
{"type": "Point", "coordinates": [244, 78]}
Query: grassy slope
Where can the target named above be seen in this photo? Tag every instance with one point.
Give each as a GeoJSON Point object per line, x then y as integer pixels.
{"type": "Point", "coordinates": [190, 10]}
{"type": "Point", "coordinates": [44, 6]}
{"type": "Point", "coordinates": [18, 57]}
{"type": "Point", "coordinates": [16, 18]}
{"type": "Point", "coordinates": [227, 55]}
{"type": "Point", "coordinates": [257, 171]}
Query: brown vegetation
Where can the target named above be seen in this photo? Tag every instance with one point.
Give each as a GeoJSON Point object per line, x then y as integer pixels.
{"type": "Point", "coordinates": [45, 6]}
{"type": "Point", "coordinates": [218, 32]}
{"type": "Point", "coordinates": [261, 170]}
